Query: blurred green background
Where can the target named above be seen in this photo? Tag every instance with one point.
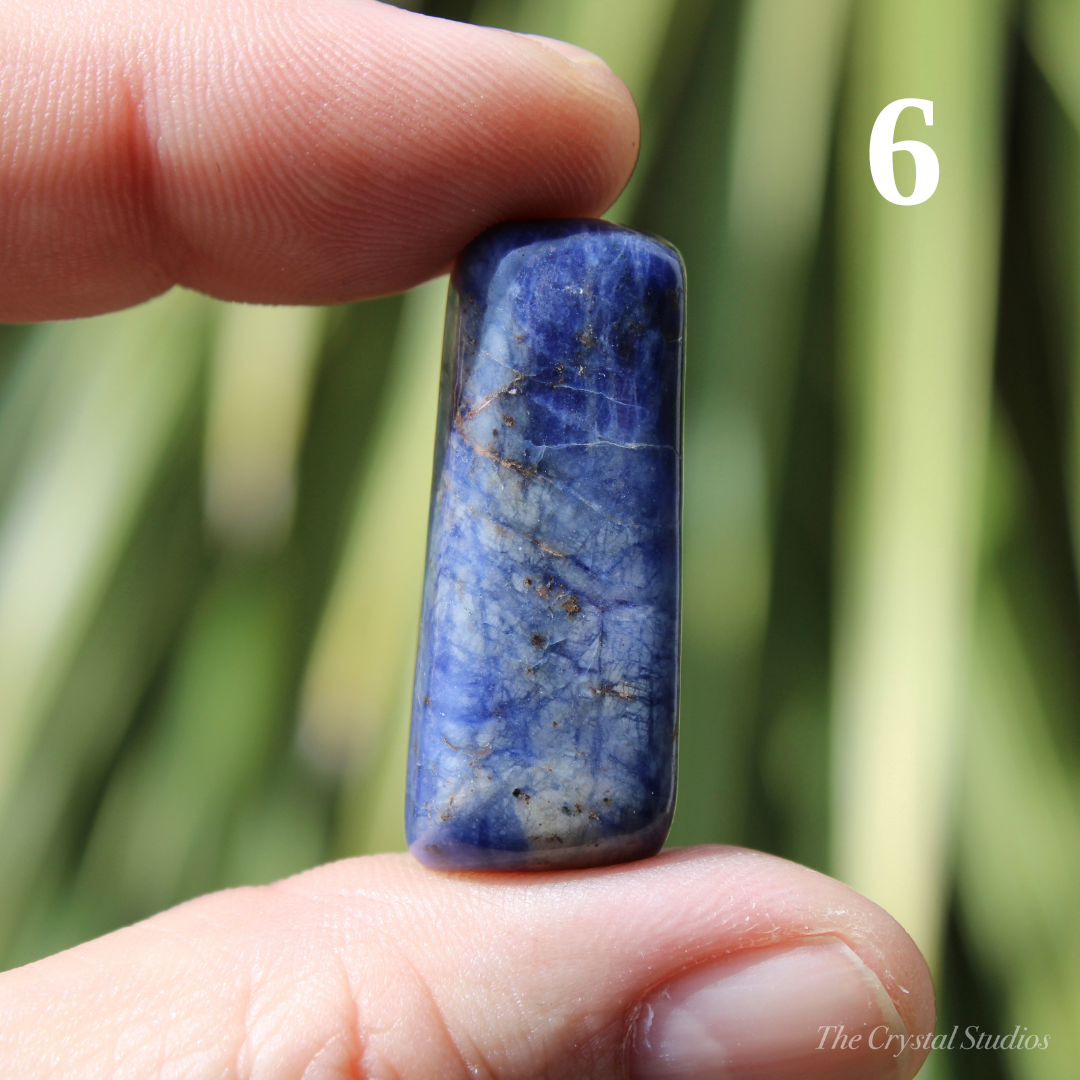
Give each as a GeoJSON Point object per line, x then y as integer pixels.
{"type": "Point", "coordinates": [212, 516]}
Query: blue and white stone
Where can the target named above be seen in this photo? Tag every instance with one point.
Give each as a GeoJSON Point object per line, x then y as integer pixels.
{"type": "Point", "coordinates": [546, 695]}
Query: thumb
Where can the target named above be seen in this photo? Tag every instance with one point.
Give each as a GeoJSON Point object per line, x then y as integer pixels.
{"type": "Point", "coordinates": [699, 963]}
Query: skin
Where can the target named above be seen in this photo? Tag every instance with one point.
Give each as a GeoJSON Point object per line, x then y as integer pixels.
{"type": "Point", "coordinates": [279, 151]}
{"type": "Point", "coordinates": [378, 968]}
{"type": "Point", "coordinates": [318, 151]}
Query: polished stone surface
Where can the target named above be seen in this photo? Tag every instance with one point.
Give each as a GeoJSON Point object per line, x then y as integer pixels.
{"type": "Point", "coordinates": [546, 694]}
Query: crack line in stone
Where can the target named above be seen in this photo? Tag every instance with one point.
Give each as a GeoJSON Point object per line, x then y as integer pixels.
{"type": "Point", "coordinates": [532, 474]}
{"type": "Point", "coordinates": [509, 530]}
{"type": "Point", "coordinates": [604, 442]}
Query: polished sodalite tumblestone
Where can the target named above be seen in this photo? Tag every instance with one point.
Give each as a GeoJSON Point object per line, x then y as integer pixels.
{"type": "Point", "coordinates": [546, 694]}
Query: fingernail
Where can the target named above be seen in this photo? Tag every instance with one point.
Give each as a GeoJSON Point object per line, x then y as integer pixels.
{"type": "Point", "coordinates": [798, 1011]}
{"type": "Point", "coordinates": [572, 52]}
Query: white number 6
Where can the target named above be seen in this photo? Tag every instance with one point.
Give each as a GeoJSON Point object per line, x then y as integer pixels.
{"type": "Point", "coordinates": [882, 149]}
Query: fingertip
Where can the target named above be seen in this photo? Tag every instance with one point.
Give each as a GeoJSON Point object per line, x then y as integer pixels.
{"type": "Point", "coordinates": [713, 929]}
{"type": "Point", "coordinates": [435, 131]}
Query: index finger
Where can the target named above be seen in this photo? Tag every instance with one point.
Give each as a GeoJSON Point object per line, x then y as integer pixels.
{"type": "Point", "coordinates": [279, 151]}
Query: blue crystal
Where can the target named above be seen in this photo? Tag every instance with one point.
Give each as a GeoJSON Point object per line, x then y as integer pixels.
{"type": "Point", "coordinates": [546, 694]}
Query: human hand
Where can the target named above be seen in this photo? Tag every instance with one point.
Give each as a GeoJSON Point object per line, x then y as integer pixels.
{"type": "Point", "coordinates": [279, 151]}
{"type": "Point", "coordinates": [704, 963]}
{"type": "Point", "coordinates": [311, 152]}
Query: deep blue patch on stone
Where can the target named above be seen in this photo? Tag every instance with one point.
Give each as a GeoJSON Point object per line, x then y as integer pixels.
{"type": "Point", "coordinates": [546, 696]}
